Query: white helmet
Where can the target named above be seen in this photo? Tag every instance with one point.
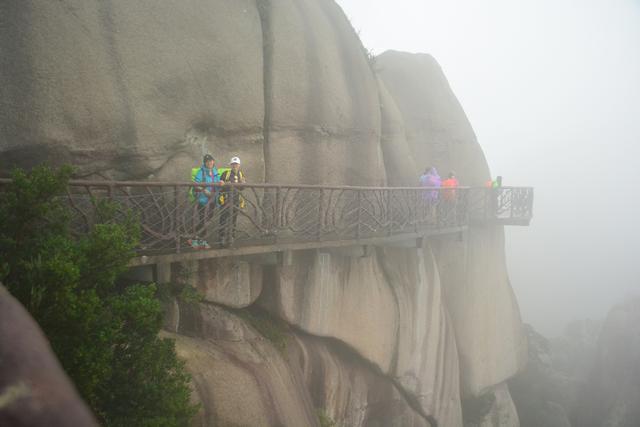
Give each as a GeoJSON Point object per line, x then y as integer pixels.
{"type": "Point", "coordinates": [234, 160]}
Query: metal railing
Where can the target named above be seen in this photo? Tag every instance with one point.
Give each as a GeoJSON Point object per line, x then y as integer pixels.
{"type": "Point", "coordinates": [505, 205]}
{"type": "Point", "coordinates": [266, 214]}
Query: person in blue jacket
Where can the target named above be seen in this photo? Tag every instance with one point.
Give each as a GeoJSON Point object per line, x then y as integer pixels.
{"type": "Point", "coordinates": [206, 196]}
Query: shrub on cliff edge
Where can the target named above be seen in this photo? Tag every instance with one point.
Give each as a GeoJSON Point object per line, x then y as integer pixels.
{"type": "Point", "coordinates": [104, 335]}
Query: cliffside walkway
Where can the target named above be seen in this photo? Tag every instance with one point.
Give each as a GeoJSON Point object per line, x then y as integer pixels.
{"type": "Point", "coordinates": [277, 218]}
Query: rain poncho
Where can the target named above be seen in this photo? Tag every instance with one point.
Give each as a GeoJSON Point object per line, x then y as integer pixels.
{"type": "Point", "coordinates": [205, 175]}
{"type": "Point", "coordinates": [431, 179]}
{"type": "Point", "coordinates": [450, 183]}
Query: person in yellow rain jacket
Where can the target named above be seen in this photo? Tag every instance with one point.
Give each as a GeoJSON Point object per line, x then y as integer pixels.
{"type": "Point", "coordinates": [231, 201]}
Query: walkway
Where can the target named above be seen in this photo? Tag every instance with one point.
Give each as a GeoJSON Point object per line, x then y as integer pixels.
{"type": "Point", "coordinates": [286, 217]}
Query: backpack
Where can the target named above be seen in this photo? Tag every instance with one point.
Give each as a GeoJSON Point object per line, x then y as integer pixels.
{"type": "Point", "coordinates": [192, 190]}
{"type": "Point", "coordinates": [224, 175]}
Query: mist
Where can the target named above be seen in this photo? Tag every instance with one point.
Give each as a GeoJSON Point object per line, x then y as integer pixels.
{"type": "Point", "coordinates": [552, 90]}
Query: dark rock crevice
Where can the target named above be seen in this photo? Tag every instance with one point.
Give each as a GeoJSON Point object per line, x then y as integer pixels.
{"type": "Point", "coordinates": [190, 326]}
{"type": "Point", "coordinates": [347, 352]}
{"type": "Point", "coordinates": [409, 396]}
{"type": "Point", "coordinates": [127, 137]}
{"type": "Point", "coordinates": [264, 10]}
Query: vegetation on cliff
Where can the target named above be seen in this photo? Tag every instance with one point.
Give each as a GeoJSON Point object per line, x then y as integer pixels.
{"type": "Point", "coordinates": [104, 333]}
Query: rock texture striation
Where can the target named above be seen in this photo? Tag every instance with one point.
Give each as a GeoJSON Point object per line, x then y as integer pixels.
{"type": "Point", "coordinates": [491, 343]}
{"type": "Point", "coordinates": [323, 122]}
{"type": "Point", "coordinates": [130, 89]}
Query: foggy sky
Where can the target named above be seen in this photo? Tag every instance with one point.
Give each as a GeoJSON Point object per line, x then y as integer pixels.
{"type": "Point", "coordinates": [552, 89]}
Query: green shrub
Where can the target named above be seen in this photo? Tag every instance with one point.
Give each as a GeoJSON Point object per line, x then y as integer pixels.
{"type": "Point", "coordinates": [324, 419]}
{"type": "Point", "coordinates": [104, 335]}
{"type": "Point", "coordinates": [270, 327]}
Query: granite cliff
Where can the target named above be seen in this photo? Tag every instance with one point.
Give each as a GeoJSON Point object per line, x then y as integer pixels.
{"type": "Point", "coordinates": [391, 336]}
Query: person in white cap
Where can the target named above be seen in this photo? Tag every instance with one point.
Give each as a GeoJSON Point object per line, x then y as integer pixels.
{"type": "Point", "coordinates": [231, 201]}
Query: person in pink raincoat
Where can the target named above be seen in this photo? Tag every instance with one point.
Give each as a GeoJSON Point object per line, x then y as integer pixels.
{"type": "Point", "coordinates": [431, 179]}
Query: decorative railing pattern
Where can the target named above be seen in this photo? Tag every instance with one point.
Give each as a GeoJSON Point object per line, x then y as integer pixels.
{"type": "Point", "coordinates": [268, 214]}
{"type": "Point", "coordinates": [507, 205]}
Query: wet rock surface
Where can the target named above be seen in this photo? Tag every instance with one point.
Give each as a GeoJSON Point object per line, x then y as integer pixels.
{"type": "Point", "coordinates": [139, 90]}
{"type": "Point", "coordinates": [34, 390]}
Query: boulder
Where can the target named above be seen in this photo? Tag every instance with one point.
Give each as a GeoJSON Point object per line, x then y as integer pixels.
{"type": "Point", "coordinates": [131, 90]}
{"type": "Point", "coordinates": [491, 343]}
{"type": "Point", "coordinates": [321, 99]}
{"type": "Point", "coordinates": [388, 307]}
{"type": "Point", "coordinates": [546, 390]}
{"type": "Point", "coordinates": [238, 375]}
{"type": "Point", "coordinates": [345, 390]}
{"type": "Point", "coordinates": [611, 396]}
{"type": "Point", "coordinates": [229, 281]}
{"type": "Point", "coordinates": [485, 314]}
{"type": "Point", "coordinates": [503, 412]}
{"type": "Point", "coordinates": [437, 129]}
{"type": "Point", "coordinates": [426, 358]}
{"type": "Point", "coordinates": [34, 390]}
{"type": "Point", "coordinates": [399, 161]}
{"type": "Point", "coordinates": [346, 298]}
{"type": "Point", "coordinates": [494, 408]}
{"type": "Point", "coordinates": [242, 378]}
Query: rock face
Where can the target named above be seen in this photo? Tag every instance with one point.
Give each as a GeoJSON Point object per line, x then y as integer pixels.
{"type": "Point", "coordinates": [400, 325]}
{"type": "Point", "coordinates": [426, 359]}
{"type": "Point", "coordinates": [612, 394]}
{"type": "Point", "coordinates": [485, 314]}
{"type": "Point", "coordinates": [34, 390]}
{"type": "Point", "coordinates": [321, 98]}
{"type": "Point", "coordinates": [437, 130]}
{"type": "Point", "coordinates": [232, 282]}
{"type": "Point", "coordinates": [541, 391]}
{"type": "Point", "coordinates": [140, 90]}
{"type": "Point", "coordinates": [129, 89]}
{"type": "Point", "coordinates": [241, 378]}
{"type": "Point", "coordinates": [399, 160]}
{"type": "Point", "coordinates": [503, 411]}
{"type": "Point", "coordinates": [318, 292]}
{"type": "Point", "coordinates": [347, 391]}
{"type": "Point", "coordinates": [486, 318]}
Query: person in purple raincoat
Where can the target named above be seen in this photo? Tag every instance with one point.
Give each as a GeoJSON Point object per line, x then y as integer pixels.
{"type": "Point", "coordinates": [430, 178]}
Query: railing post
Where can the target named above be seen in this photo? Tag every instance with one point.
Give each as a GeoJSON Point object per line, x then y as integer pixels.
{"type": "Point", "coordinates": [512, 201]}
{"type": "Point", "coordinates": [487, 203]}
{"type": "Point", "coordinates": [389, 213]}
{"type": "Point", "coordinates": [453, 215]}
{"type": "Point", "coordinates": [175, 218]}
{"type": "Point", "coordinates": [231, 227]}
{"type": "Point", "coordinates": [467, 207]}
{"type": "Point", "coordinates": [276, 212]}
{"type": "Point", "coordinates": [359, 193]}
{"type": "Point", "coordinates": [320, 213]}
{"type": "Point", "coordinates": [416, 195]}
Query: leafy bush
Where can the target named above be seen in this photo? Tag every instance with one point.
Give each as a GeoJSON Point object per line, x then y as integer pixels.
{"type": "Point", "coordinates": [104, 335]}
{"type": "Point", "coordinates": [270, 327]}
{"type": "Point", "coordinates": [324, 419]}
